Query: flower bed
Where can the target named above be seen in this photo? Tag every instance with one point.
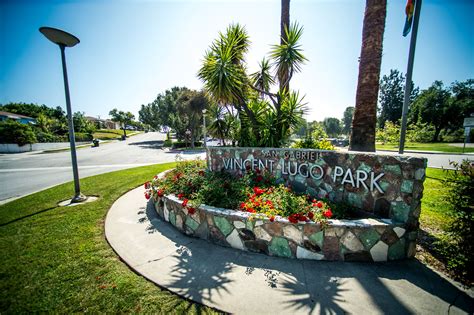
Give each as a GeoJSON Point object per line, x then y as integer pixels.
{"type": "Point", "coordinates": [271, 219]}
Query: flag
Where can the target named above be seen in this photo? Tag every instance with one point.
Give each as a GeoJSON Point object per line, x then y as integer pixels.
{"type": "Point", "coordinates": [409, 9]}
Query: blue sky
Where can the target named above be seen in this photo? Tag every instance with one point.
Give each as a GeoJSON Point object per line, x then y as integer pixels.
{"type": "Point", "coordinates": [132, 50]}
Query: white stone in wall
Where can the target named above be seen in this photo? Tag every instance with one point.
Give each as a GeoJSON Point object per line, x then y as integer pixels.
{"type": "Point", "coordinates": [239, 224]}
{"type": "Point", "coordinates": [260, 233]}
{"type": "Point", "coordinates": [352, 243]}
{"type": "Point", "coordinates": [379, 251]}
{"type": "Point", "coordinates": [166, 213]}
{"type": "Point", "coordinates": [399, 231]}
{"type": "Point", "coordinates": [234, 240]}
{"type": "Point", "coordinates": [291, 232]}
{"type": "Point", "coordinates": [179, 222]}
{"type": "Point", "coordinates": [258, 223]}
{"type": "Point", "coordinates": [302, 253]}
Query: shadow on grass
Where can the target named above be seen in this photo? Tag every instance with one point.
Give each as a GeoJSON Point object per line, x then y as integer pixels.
{"type": "Point", "coordinates": [27, 216]}
{"type": "Point", "coordinates": [206, 272]}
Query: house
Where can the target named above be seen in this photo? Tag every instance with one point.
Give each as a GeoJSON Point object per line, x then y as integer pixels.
{"type": "Point", "coordinates": [103, 123]}
{"type": "Point", "coordinates": [17, 117]}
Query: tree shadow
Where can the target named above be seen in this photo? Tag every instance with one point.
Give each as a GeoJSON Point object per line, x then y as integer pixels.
{"type": "Point", "coordinates": [153, 144]}
{"type": "Point", "coordinates": [205, 273]}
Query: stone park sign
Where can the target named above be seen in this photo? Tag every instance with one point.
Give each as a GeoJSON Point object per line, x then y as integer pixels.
{"type": "Point", "coordinates": [383, 185]}
{"type": "Point", "coordinates": [388, 189]}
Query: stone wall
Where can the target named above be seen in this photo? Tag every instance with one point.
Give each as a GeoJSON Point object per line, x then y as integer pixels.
{"type": "Point", "coordinates": [386, 186]}
{"type": "Point", "coordinates": [348, 240]}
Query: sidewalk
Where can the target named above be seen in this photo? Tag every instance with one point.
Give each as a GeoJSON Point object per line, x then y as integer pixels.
{"type": "Point", "coordinates": [246, 283]}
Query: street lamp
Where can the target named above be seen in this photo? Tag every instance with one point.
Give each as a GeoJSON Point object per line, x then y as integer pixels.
{"type": "Point", "coordinates": [204, 123]}
{"type": "Point", "coordinates": [63, 40]}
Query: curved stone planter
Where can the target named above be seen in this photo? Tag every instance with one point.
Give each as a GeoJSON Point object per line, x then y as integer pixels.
{"type": "Point", "coordinates": [348, 240]}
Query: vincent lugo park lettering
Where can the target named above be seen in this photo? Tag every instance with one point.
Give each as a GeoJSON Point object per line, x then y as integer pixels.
{"type": "Point", "coordinates": [355, 178]}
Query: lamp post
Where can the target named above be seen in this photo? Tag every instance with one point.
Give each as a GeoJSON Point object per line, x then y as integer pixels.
{"type": "Point", "coordinates": [204, 124]}
{"type": "Point", "coordinates": [63, 40]}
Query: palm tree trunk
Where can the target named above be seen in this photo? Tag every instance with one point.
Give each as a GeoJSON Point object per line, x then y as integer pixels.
{"type": "Point", "coordinates": [284, 24]}
{"type": "Point", "coordinates": [364, 121]}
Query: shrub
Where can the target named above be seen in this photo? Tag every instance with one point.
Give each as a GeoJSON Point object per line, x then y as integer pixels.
{"type": "Point", "coordinates": [182, 144]}
{"type": "Point", "coordinates": [48, 137]}
{"type": "Point", "coordinates": [389, 134]}
{"type": "Point", "coordinates": [311, 143]}
{"type": "Point", "coordinates": [168, 143]}
{"type": "Point", "coordinates": [420, 133]}
{"type": "Point", "coordinates": [458, 245]}
{"type": "Point", "coordinates": [15, 132]}
{"type": "Point", "coordinates": [452, 135]}
{"type": "Point", "coordinates": [81, 136]}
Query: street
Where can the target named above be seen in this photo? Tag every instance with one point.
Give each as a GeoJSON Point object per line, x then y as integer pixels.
{"type": "Point", "coordinates": [24, 173]}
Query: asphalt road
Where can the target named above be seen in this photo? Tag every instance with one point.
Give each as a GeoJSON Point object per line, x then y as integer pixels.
{"type": "Point", "coordinates": [24, 173]}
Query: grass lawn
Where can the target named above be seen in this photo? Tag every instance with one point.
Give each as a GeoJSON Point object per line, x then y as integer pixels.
{"type": "Point", "coordinates": [440, 147]}
{"type": "Point", "coordinates": [107, 134]}
{"type": "Point", "coordinates": [56, 259]}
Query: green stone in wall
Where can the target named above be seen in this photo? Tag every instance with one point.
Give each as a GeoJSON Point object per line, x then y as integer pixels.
{"type": "Point", "coordinates": [249, 225]}
{"type": "Point", "coordinates": [317, 238]}
{"type": "Point", "coordinates": [364, 167]}
{"type": "Point", "coordinates": [369, 238]}
{"type": "Point", "coordinates": [395, 169]}
{"type": "Point", "coordinates": [407, 186]}
{"type": "Point", "coordinates": [400, 211]}
{"type": "Point", "coordinates": [354, 199]}
{"type": "Point", "coordinates": [279, 247]}
{"type": "Point", "coordinates": [193, 225]}
{"type": "Point", "coordinates": [397, 250]}
{"type": "Point", "coordinates": [173, 218]}
{"type": "Point", "coordinates": [223, 225]}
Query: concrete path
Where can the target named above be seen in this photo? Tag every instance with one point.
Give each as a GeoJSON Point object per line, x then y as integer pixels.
{"type": "Point", "coordinates": [245, 283]}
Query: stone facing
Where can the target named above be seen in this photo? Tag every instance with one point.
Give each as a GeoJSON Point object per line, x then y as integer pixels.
{"type": "Point", "coordinates": [349, 240]}
{"type": "Point", "coordinates": [385, 185]}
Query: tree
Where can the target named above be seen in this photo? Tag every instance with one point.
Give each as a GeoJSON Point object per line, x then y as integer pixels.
{"type": "Point", "coordinates": [364, 121]}
{"type": "Point", "coordinates": [433, 106]}
{"type": "Point", "coordinates": [189, 106]}
{"type": "Point", "coordinates": [124, 118]}
{"type": "Point", "coordinates": [332, 126]}
{"type": "Point", "coordinates": [463, 101]}
{"type": "Point", "coordinates": [266, 119]}
{"type": "Point", "coordinates": [347, 120]}
{"type": "Point", "coordinates": [391, 95]}
{"type": "Point", "coordinates": [14, 132]}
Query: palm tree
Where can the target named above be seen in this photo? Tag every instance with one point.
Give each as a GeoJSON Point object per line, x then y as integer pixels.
{"type": "Point", "coordinates": [364, 121]}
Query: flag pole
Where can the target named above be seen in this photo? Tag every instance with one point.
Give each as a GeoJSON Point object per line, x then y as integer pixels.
{"type": "Point", "coordinates": [408, 87]}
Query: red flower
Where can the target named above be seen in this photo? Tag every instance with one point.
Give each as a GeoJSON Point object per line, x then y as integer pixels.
{"type": "Point", "coordinates": [272, 218]}
{"type": "Point", "coordinates": [201, 173]}
{"type": "Point", "coordinates": [185, 202]}
{"type": "Point", "coordinates": [155, 177]}
{"type": "Point", "coordinates": [160, 193]}
{"type": "Point", "coordinates": [257, 170]}
{"type": "Point", "coordinates": [147, 185]}
{"type": "Point", "coordinates": [310, 215]}
{"type": "Point", "coordinates": [319, 204]}
{"type": "Point", "coordinates": [327, 213]}
{"type": "Point", "coordinates": [242, 205]}
{"type": "Point", "coordinates": [180, 196]}
{"type": "Point", "coordinates": [147, 196]}
{"type": "Point", "coordinates": [258, 191]}
{"type": "Point", "coordinates": [293, 218]}
{"type": "Point", "coordinates": [269, 203]}
{"type": "Point", "coordinates": [191, 210]}
{"type": "Point", "coordinates": [259, 178]}
{"type": "Point", "coordinates": [251, 210]}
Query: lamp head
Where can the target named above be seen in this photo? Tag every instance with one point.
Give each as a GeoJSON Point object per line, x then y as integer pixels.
{"type": "Point", "coordinates": [59, 37]}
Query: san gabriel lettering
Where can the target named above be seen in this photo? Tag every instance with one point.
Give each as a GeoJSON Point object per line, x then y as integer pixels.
{"type": "Point", "coordinates": [357, 178]}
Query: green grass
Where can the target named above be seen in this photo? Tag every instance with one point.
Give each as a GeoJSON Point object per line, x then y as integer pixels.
{"type": "Point", "coordinates": [435, 215]}
{"type": "Point", "coordinates": [56, 259]}
{"type": "Point", "coordinates": [439, 146]}
{"type": "Point", "coordinates": [108, 134]}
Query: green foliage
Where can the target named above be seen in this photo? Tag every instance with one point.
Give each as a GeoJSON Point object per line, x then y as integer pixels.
{"type": "Point", "coordinates": [332, 126]}
{"type": "Point", "coordinates": [124, 118]}
{"type": "Point", "coordinates": [168, 143]}
{"type": "Point", "coordinates": [420, 133]}
{"type": "Point", "coordinates": [458, 244]}
{"type": "Point", "coordinates": [266, 119]}
{"type": "Point", "coordinates": [315, 140]}
{"type": "Point", "coordinates": [347, 120]}
{"type": "Point", "coordinates": [15, 132]}
{"type": "Point", "coordinates": [33, 110]}
{"type": "Point", "coordinates": [83, 137]}
{"type": "Point", "coordinates": [391, 95]}
{"type": "Point", "coordinates": [389, 134]}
